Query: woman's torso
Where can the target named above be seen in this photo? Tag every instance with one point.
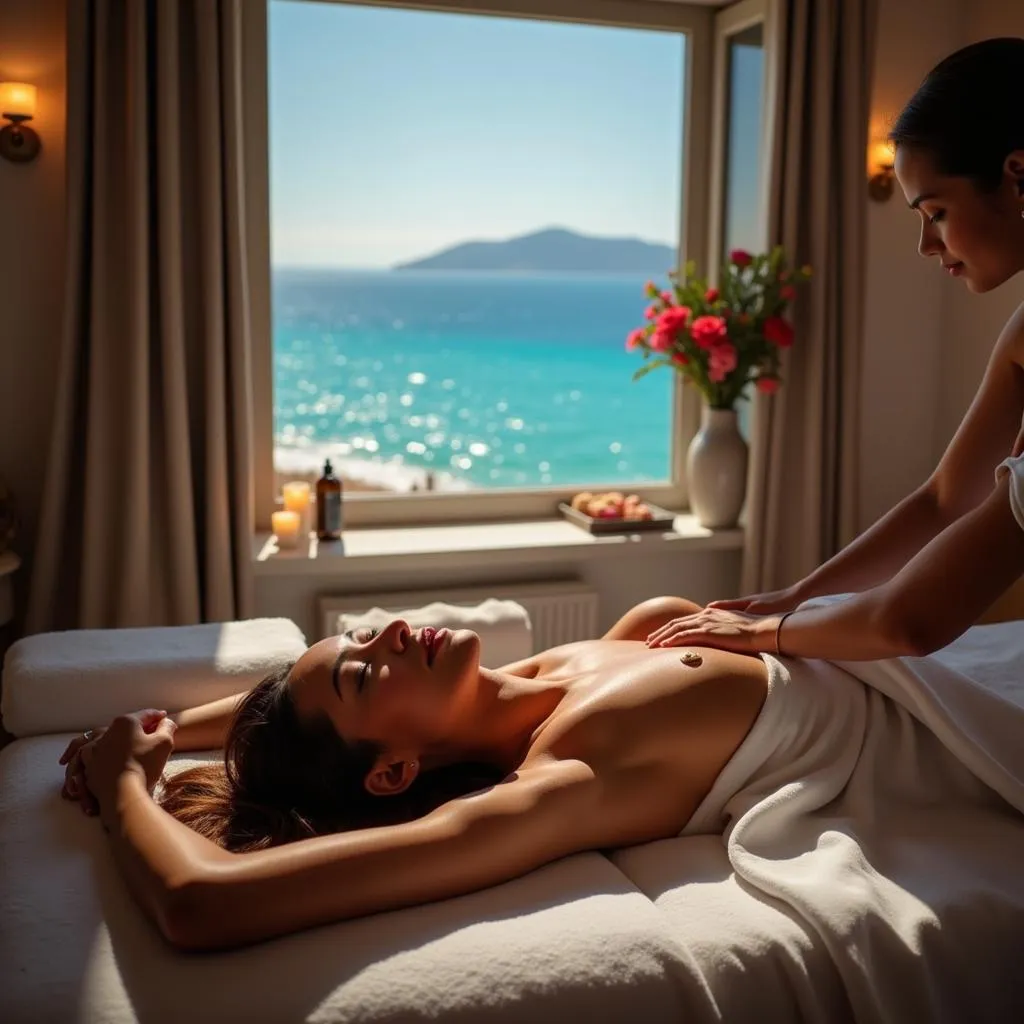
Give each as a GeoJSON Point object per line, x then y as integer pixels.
{"type": "Point", "coordinates": [650, 714]}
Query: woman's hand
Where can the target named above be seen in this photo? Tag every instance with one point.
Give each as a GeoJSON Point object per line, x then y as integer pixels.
{"type": "Point", "coordinates": [140, 743]}
{"type": "Point", "coordinates": [715, 627]}
{"type": "Point", "coordinates": [74, 787]}
{"type": "Point", "coordinates": [772, 603]}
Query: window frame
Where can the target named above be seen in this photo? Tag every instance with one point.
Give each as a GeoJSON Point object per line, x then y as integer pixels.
{"type": "Point", "coordinates": [702, 72]}
{"type": "Point", "coordinates": [728, 22]}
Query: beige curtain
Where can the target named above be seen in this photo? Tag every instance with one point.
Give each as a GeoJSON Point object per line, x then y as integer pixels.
{"type": "Point", "coordinates": [148, 501]}
{"type": "Point", "coordinates": [802, 503]}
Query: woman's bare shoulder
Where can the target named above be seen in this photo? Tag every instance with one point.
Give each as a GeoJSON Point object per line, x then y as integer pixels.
{"type": "Point", "coordinates": [1011, 337]}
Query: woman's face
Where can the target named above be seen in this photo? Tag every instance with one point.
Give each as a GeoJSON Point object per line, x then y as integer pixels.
{"type": "Point", "coordinates": [978, 236]}
{"type": "Point", "coordinates": [399, 688]}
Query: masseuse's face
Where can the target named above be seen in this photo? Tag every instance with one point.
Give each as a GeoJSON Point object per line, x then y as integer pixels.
{"type": "Point", "coordinates": [402, 689]}
{"type": "Point", "coordinates": [978, 236]}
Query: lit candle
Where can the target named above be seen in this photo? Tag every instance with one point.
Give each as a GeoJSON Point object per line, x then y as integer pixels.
{"type": "Point", "coordinates": [296, 499]}
{"type": "Point", "coordinates": [286, 526]}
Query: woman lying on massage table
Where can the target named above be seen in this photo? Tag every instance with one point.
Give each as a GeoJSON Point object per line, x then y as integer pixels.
{"type": "Point", "coordinates": [598, 744]}
{"type": "Point", "coordinates": [409, 774]}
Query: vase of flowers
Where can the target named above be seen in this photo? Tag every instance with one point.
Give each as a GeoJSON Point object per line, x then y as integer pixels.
{"type": "Point", "coordinates": [722, 340]}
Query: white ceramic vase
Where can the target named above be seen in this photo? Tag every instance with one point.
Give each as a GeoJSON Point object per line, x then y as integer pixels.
{"type": "Point", "coordinates": [716, 469]}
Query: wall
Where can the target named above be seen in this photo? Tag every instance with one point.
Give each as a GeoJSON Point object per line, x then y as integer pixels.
{"type": "Point", "coordinates": [974, 321]}
{"type": "Point", "coordinates": [621, 581]}
{"type": "Point", "coordinates": [32, 45]}
{"type": "Point", "coordinates": [905, 313]}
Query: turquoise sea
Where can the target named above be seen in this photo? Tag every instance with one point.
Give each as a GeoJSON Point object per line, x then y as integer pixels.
{"type": "Point", "coordinates": [482, 380]}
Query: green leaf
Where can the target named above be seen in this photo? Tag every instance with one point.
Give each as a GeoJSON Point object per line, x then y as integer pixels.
{"type": "Point", "coordinates": [644, 370]}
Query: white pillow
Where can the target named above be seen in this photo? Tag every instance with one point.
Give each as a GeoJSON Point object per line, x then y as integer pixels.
{"type": "Point", "coordinates": [504, 626]}
{"type": "Point", "coordinates": [68, 681]}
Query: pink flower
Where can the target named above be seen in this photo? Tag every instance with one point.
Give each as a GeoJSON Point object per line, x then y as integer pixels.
{"type": "Point", "coordinates": [788, 292]}
{"type": "Point", "coordinates": [661, 342]}
{"type": "Point", "coordinates": [673, 320]}
{"type": "Point", "coordinates": [722, 362]}
{"type": "Point", "coordinates": [680, 358]}
{"type": "Point", "coordinates": [767, 385]}
{"type": "Point", "coordinates": [635, 339]}
{"type": "Point", "coordinates": [711, 295]}
{"type": "Point", "coordinates": [651, 313]}
{"type": "Point", "coordinates": [708, 331]}
{"type": "Point", "coordinates": [778, 331]}
{"type": "Point", "coordinates": [668, 298]}
{"type": "Point", "coordinates": [741, 258]}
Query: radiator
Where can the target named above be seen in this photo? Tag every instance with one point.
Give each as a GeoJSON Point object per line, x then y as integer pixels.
{"type": "Point", "coordinates": [559, 612]}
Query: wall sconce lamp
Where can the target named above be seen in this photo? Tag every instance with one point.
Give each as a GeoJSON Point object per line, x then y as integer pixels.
{"type": "Point", "coordinates": [18, 142]}
{"type": "Point", "coordinates": [881, 177]}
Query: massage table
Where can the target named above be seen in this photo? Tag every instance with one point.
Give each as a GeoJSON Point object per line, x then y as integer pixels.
{"type": "Point", "coordinates": [660, 932]}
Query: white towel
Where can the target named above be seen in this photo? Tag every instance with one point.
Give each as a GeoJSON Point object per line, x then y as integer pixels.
{"type": "Point", "coordinates": [881, 803]}
{"type": "Point", "coordinates": [1015, 467]}
{"type": "Point", "coordinates": [68, 681]}
{"type": "Point", "coordinates": [503, 626]}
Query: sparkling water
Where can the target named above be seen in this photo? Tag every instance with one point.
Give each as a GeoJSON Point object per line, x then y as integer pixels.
{"type": "Point", "coordinates": [481, 380]}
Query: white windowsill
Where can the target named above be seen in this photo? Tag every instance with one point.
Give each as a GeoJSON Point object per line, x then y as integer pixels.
{"type": "Point", "coordinates": [496, 543]}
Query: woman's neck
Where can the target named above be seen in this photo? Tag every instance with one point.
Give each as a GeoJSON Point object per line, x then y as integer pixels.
{"type": "Point", "coordinates": [506, 715]}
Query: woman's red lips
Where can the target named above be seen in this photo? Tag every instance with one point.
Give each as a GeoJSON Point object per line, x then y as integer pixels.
{"type": "Point", "coordinates": [431, 639]}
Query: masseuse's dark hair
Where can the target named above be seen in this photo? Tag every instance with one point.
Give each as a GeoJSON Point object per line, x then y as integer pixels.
{"type": "Point", "coordinates": [969, 111]}
{"type": "Point", "coordinates": [287, 777]}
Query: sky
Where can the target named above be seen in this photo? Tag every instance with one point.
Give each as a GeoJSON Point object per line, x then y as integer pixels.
{"type": "Point", "coordinates": [395, 134]}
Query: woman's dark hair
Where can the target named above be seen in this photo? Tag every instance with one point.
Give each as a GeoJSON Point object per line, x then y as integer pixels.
{"type": "Point", "coordinates": [286, 778]}
{"type": "Point", "coordinates": [968, 113]}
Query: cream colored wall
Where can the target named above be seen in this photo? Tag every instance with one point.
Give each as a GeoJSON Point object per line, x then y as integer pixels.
{"type": "Point", "coordinates": [905, 317]}
{"type": "Point", "coordinates": [32, 38]}
{"type": "Point", "coordinates": [974, 321]}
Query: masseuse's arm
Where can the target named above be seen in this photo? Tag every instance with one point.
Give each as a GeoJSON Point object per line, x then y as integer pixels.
{"type": "Point", "coordinates": [205, 898]}
{"type": "Point", "coordinates": [959, 484]}
{"type": "Point", "coordinates": [941, 592]}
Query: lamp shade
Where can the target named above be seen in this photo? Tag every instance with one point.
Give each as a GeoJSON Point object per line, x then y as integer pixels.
{"type": "Point", "coordinates": [17, 99]}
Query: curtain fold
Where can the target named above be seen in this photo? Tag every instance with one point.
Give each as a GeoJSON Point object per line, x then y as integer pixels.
{"type": "Point", "coordinates": [803, 479]}
{"type": "Point", "coordinates": [148, 503]}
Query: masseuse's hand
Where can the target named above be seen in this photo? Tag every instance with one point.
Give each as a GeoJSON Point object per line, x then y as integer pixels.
{"type": "Point", "coordinates": [127, 746]}
{"type": "Point", "coordinates": [713, 627]}
{"type": "Point", "coordinates": [774, 602]}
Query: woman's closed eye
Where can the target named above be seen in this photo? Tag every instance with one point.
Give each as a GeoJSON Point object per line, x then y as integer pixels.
{"type": "Point", "coordinates": [936, 217]}
{"type": "Point", "coordinates": [364, 672]}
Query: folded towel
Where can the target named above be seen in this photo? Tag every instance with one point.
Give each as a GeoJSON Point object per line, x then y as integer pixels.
{"type": "Point", "coordinates": [503, 626]}
{"type": "Point", "coordinates": [64, 682]}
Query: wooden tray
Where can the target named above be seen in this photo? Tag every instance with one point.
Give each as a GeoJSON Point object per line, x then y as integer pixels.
{"type": "Point", "coordinates": [661, 520]}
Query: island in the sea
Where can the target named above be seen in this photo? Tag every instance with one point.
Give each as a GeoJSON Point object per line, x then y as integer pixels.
{"type": "Point", "coordinates": [554, 250]}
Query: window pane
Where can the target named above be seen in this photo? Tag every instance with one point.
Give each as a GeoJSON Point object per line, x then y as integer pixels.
{"type": "Point", "coordinates": [743, 162]}
{"type": "Point", "coordinates": [399, 138]}
{"type": "Point", "coordinates": [743, 155]}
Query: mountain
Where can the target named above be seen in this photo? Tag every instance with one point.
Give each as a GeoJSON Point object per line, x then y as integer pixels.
{"type": "Point", "coordinates": [554, 250]}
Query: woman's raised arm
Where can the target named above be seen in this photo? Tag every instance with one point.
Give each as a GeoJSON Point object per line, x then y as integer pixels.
{"type": "Point", "coordinates": [205, 727]}
{"type": "Point", "coordinates": [205, 898]}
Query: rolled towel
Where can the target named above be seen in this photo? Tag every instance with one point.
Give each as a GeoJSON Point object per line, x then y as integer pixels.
{"type": "Point", "coordinates": [68, 681]}
{"type": "Point", "coordinates": [503, 626]}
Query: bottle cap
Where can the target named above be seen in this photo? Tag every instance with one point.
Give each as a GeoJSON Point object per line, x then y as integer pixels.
{"type": "Point", "coordinates": [328, 468]}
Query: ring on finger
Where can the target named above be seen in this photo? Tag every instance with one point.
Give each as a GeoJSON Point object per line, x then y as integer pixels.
{"type": "Point", "coordinates": [88, 735]}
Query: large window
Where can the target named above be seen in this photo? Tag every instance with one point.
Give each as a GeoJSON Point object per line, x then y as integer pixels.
{"type": "Point", "coordinates": [464, 212]}
{"type": "Point", "coordinates": [465, 205]}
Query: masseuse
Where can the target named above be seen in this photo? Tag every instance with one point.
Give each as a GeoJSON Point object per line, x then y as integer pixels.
{"type": "Point", "coordinates": [929, 568]}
